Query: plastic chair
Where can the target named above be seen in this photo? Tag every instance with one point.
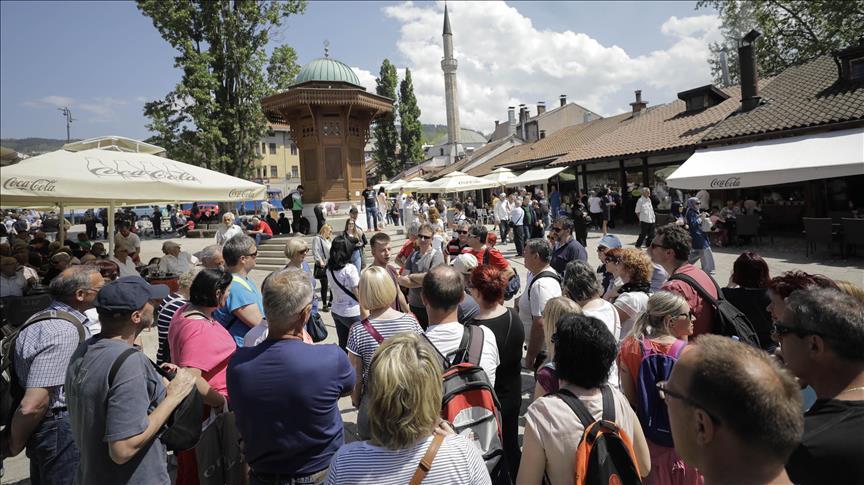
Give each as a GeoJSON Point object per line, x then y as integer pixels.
{"type": "Point", "coordinates": [818, 231]}
{"type": "Point", "coordinates": [853, 234]}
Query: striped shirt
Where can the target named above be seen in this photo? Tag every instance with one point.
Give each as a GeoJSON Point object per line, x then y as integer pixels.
{"type": "Point", "coordinates": [43, 350]}
{"type": "Point", "coordinates": [164, 314]}
{"type": "Point", "coordinates": [363, 345]}
{"type": "Point", "coordinates": [457, 461]}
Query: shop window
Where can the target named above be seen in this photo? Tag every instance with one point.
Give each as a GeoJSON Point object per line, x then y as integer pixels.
{"type": "Point", "coordinates": [272, 149]}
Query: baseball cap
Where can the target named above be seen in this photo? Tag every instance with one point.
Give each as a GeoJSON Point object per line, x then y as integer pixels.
{"type": "Point", "coordinates": [128, 293]}
{"type": "Point", "coordinates": [610, 241]}
{"type": "Point", "coordinates": [464, 263]}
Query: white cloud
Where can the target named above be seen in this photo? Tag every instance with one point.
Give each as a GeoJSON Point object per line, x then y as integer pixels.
{"type": "Point", "coordinates": [504, 60]}
{"type": "Point", "coordinates": [98, 110]}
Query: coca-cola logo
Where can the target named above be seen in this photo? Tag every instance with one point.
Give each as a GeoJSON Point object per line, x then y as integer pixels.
{"type": "Point", "coordinates": [242, 194]}
{"type": "Point", "coordinates": [30, 185]}
{"type": "Point", "coordinates": [725, 183]}
{"type": "Point", "coordinates": [137, 169]}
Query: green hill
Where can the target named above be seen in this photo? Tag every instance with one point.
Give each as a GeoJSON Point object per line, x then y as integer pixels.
{"type": "Point", "coordinates": [32, 146]}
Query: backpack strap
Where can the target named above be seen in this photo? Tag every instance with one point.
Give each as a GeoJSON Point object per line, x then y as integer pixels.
{"type": "Point", "coordinates": [542, 274]}
{"type": "Point", "coordinates": [461, 354]}
{"type": "Point", "coordinates": [56, 315]}
{"type": "Point", "coordinates": [676, 348]}
{"type": "Point", "coordinates": [475, 345]}
{"type": "Point", "coordinates": [696, 286]}
{"type": "Point", "coordinates": [371, 330]}
{"type": "Point", "coordinates": [577, 407]}
{"type": "Point", "coordinates": [118, 362]}
{"type": "Point", "coordinates": [608, 404]}
{"type": "Point", "coordinates": [243, 283]}
{"type": "Point", "coordinates": [342, 287]}
{"type": "Point", "coordinates": [426, 462]}
{"type": "Point", "coordinates": [486, 255]}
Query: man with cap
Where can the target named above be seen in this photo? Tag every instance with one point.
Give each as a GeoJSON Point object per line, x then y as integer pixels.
{"type": "Point", "coordinates": [607, 242]}
{"type": "Point", "coordinates": [175, 261]}
{"type": "Point", "coordinates": [464, 264]}
{"type": "Point", "coordinates": [116, 421]}
{"type": "Point", "coordinates": [40, 358]}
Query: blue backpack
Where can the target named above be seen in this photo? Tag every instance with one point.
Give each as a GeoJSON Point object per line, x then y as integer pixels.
{"type": "Point", "coordinates": [655, 367]}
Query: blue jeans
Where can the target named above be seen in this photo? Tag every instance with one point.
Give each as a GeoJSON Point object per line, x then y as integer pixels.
{"type": "Point", "coordinates": [372, 217]}
{"type": "Point", "coordinates": [269, 479]}
{"type": "Point", "coordinates": [357, 260]}
{"type": "Point", "coordinates": [260, 237]}
{"type": "Point", "coordinates": [52, 452]}
{"type": "Point", "coordinates": [706, 256]}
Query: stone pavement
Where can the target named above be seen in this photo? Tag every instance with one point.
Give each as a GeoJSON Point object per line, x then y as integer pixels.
{"type": "Point", "coordinates": [783, 254]}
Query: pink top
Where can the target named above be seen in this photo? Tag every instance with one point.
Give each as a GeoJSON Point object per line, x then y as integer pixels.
{"type": "Point", "coordinates": [203, 344]}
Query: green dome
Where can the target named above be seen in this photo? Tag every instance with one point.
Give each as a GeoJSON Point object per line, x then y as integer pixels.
{"type": "Point", "coordinates": [327, 69]}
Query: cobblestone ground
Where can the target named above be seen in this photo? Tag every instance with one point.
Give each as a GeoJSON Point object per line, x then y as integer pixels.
{"type": "Point", "coordinates": [782, 254]}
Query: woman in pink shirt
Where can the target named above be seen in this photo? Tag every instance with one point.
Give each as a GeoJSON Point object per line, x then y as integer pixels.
{"type": "Point", "coordinates": [201, 344]}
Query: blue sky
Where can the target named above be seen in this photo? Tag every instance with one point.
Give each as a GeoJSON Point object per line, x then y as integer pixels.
{"type": "Point", "coordinates": [105, 59]}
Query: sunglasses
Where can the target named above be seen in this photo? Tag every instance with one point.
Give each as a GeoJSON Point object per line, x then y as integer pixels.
{"type": "Point", "coordinates": [664, 392]}
{"type": "Point", "coordinates": [613, 260]}
{"type": "Point", "coordinates": [781, 330]}
{"type": "Point", "coordinates": [462, 232]}
{"type": "Point", "coordinates": [253, 255]}
{"type": "Point", "coordinates": [424, 237]}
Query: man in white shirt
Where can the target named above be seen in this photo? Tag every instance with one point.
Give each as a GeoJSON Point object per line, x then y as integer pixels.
{"type": "Point", "coordinates": [129, 240]}
{"type": "Point", "coordinates": [124, 262]}
{"type": "Point", "coordinates": [12, 279]}
{"type": "Point", "coordinates": [410, 209]}
{"type": "Point", "coordinates": [174, 260]}
{"type": "Point", "coordinates": [543, 284]}
{"type": "Point", "coordinates": [442, 291]}
{"type": "Point", "coordinates": [502, 216]}
{"type": "Point", "coordinates": [228, 229]}
{"type": "Point", "coordinates": [517, 221]}
{"type": "Point", "coordinates": [645, 212]}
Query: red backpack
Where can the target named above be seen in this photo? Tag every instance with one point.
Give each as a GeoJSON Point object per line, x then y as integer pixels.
{"type": "Point", "coordinates": [470, 405]}
{"type": "Point", "coordinates": [605, 454]}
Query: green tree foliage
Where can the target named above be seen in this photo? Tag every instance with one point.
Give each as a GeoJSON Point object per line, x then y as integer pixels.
{"type": "Point", "coordinates": [213, 116]}
{"type": "Point", "coordinates": [411, 133]}
{"type": "Point", "coordinates": [386, 136]}
{"type": "Point", "coordinates": [282, 69]}
{"type": "Point", "coordinates": [792, 31]}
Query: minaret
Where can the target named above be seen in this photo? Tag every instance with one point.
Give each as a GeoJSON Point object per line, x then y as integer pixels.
{"type": "Point", "coordinates": [448, 65]}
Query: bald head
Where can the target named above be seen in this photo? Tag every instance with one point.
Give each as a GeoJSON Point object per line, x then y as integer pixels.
{"type": "Point", "coordinates": [443, 288]}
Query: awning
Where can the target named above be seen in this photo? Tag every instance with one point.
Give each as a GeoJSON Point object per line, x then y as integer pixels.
{"type": "Point", "coordinates": [458, 182]}
{"type": "Point", "coordinates": [535, 176]}
{"type": "Point", "coordinates": [771, 162]}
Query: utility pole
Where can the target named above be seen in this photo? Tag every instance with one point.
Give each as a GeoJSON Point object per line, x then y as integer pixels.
{"type": "Point", "coordinates": [67, 113]}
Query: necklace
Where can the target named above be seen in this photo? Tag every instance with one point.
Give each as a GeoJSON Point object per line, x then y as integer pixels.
{"type": "Point", "coordinates": [859, 388]}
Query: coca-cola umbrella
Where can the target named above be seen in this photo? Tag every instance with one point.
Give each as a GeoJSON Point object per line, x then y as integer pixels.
{"type": "Point", "coordinates": [98, 177]}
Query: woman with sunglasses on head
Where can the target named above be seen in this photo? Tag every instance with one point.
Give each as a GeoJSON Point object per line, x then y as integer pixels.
{"type": "Point", "coordinates": [663, 328]}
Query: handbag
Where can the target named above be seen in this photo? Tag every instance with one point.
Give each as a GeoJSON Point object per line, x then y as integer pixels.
{"type": "Point", "coordinates": [183, 428]}
{"type": "Point", "coordinates": [218, 453]}
{"type": "Point", "coordinates": [315, 327]}
{"type": "Point", "coordinates": [319, 272]}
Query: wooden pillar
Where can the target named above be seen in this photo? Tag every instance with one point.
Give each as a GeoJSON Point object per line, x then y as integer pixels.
{"type": "Point", "coordinates": [646, 180]}
{"type": "Point", "coordinates": [584, 177]}
{"type": "Point", "coordinates": [622, 177]}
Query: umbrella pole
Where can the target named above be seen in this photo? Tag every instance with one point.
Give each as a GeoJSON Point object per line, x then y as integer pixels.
{"type": "Point", "coordinates": [61, 234]}
{"type": "Point", "coordinates": [110, 235]}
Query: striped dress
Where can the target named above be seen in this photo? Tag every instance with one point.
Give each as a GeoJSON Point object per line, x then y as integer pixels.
{"type": "Point", "coordinates": [164, 314]}
{"type": "Point", "coordinates": [363, 345]}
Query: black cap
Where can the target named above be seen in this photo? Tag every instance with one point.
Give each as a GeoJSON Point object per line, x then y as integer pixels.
{"type": "Point", "coordinates": [128, 294]}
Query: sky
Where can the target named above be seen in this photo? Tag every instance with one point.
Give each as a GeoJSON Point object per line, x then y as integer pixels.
{"type": "Point", "coordinates": [104, 60]}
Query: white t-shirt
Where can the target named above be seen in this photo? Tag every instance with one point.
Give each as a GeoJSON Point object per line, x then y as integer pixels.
{"type": "Point", "coordinates": [606, 313]}
{"type": "Point", "coordinates": [633, 303]}
{"type": "Point", "coordinates": [517, 216]}
{"type": "Point", "coordinates": [594, 205]}
{"type": "Point", "coordinates": [645, 210]}
{"type": "Point", "coordinates": [343, 304]}
{"type": "Point", "coordinates": [400, 201]}
{"type": "Point", "coordinates": [532, 305]}
{"type": "Point", "coordinates": [446, 337]}
{"type": "Point", "coordinates": [226, 233]}
{"type": "Point", "coordinates": [132, 242]}
{"type": "Point", "coordinates": [457, 461]}
{"type": "Point", "coordinates": [126, 268]}
{"type": "Point", "coordinates": [502, 210]}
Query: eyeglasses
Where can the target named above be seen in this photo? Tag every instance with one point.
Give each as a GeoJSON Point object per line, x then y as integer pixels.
{"type": "Point", "coordinates": [424, 237]}
{"type": "Point", "coordinates": [664, 392]}
{"type": "Point", "coordinates": [781, 330]}
{"type": "Point", "coordinates": [253, 255]}
{"type": "Point", "coordinates": [613, 260]}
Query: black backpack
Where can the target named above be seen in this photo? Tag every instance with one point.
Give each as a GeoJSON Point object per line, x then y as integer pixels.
{"type": "Point", "coordinates": [728, 320]}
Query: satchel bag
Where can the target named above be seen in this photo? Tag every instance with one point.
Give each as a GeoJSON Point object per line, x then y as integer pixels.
{"type": "Point", "coordinates": [218, 452]}
{"type": "Point", "coordinates": [315, 327]}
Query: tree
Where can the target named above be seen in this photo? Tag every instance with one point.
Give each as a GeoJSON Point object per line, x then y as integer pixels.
{"type": "Point", "coordinates": [386, 137]}
{"type": "Point", "coordinates": [213, 117]}
{"type": "Point", "coordinates": [411, 134]}
{"type": "Point", "coordinates": [282, 68]}
{"type": "Point", "coordinates": [792, 31]}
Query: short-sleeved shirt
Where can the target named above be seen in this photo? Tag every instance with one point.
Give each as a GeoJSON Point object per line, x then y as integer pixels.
{"type": "Point", "coordinates": [14, 285]}
{"type": "Point", "coordinates": [100, 415]}
{"type": "Point", "coordinates": [703, 310]}
{"type": "Point", "coordinates": [446, 337]}
{"type": "Point", "coordinates": [265, 228]}
{"type": "Point", "coordinates": [421, 263]}
{"type": "Point", "coordinates": [285, 394]}
{"type": "Point", "coordinates": [830, 450]}
{"type": "Point", "coordinates": [226, 233]}
{"type": "Point", "coordinates": [164, 314]}
{"type": "Point", "coordinates": [42, 353]}
{"type": "Point", "coordinates": [131, 242]}
{"type": "Point", "coordinates": [457, 461]}
{"type": "Point", "coordinates": [532, 303]}
{"type": "Point", "coordinates": [553, 426]}
{"type": "Point", "coordinates": [203, 344]}
{"type": "Point", "coordinates": [496, 259]}
{"type": "Point", "coordinates": [243, 292]}
{"type": "Point", "coordinates": [363, 345]}
{"type": "Point", "coordinates": [606, 313]}
{"type": "Point", "coordinates": [344, 304]}
{"type": "Point", "coordinates": [571, 251]}
{"type": "Point", "coordinates": [633, 304]}
{"type": "Point", "coordinates": [370, 200]}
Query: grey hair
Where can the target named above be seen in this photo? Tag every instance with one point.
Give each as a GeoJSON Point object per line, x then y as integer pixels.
{"type": "Point", "coordinates": [835, 316]}
{"type": "Point", "coordinates": [64, 285]}
{"type": "Point", "coordinates": [185, 280]}
{"type": "Point", "coordinates": [541, 248]}
{"type": "Point", "coordinates": [580, 282]}
{"type": "Point", "coordinates": [414, 229]}
{"type": "Point", "coordinates": [236, 247]}
{"type": "Point", "coordinates": [645, 190]}
{"type": "Point", "coordinates": [228, 214]}
{"type": "Point", "coordinates": [210, 252]}
{"type": "Point", "coordinates": [286, 294]}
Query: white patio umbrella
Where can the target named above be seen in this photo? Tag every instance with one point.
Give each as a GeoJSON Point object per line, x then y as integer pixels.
{"type": "Point", "coordinates": [458, 182]}
{"type": "Point", "coordinates": [500, 176]}
{"type": "Point", "coordinates": [99, 178]}
{"type": "Point", "coordinates": [416, 185]}
{"type": "Point", "coordinates": [395, 186]}
{"type": "Point", "coordinates": [380, 184]}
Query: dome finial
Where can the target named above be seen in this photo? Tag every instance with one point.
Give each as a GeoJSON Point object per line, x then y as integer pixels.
{"type": "Point", "coordinates": [327, 48]}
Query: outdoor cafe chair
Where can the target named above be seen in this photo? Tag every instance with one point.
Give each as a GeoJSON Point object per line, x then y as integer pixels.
{"type": "Point", "coordinates": [853, 234]}
{"type": "Point", "coordinates": [747, 226]}
{"type": "Point", "coordinates": [818, 231]}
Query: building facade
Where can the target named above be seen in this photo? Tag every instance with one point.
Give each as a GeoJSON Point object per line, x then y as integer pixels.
{"type": "Point", "coordinates": [278, 165]}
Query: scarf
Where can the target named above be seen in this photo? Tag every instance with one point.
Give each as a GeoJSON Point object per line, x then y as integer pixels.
{"type": "Point", "coordinates": [635, 287]}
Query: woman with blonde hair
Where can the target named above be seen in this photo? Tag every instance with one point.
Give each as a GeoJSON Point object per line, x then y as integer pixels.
{"type": "Point", "coordinates": [296, 250]}
{"type": "Point", "coordinates": [547, 378]}
{"type": "Point", "coordinates": [376, 293]}
{"type": "Point", "coordinates": [321, 253]}
{"type": "Point", "coordinates": [404, 419]}
{"type": "Point", "coordinates": [663, 328]}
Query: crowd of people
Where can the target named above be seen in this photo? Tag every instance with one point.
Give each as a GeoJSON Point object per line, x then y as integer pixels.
{"type": "Point", "coordinates": [639, 343]}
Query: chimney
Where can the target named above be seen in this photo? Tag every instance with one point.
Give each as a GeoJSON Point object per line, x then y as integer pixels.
{"type": "Point", "coordinates": [511, 120]}
{"type": "Point", "coordinates": [523, 113]}
{"type": "Point", "coordinates": [541, 107]}
{"type": "Point", "coordinates": [749, 77]}
{"type": "Point", "coordinates": [563, 99]}
{"type": "Point", "coordinates": [542, 134]}
{"type": "Point", "coordinates": [496, 125]}
{"type": "Point", "coordinates": [638, 105]}
{"type": "Point", "coordinates": [724, 67]}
